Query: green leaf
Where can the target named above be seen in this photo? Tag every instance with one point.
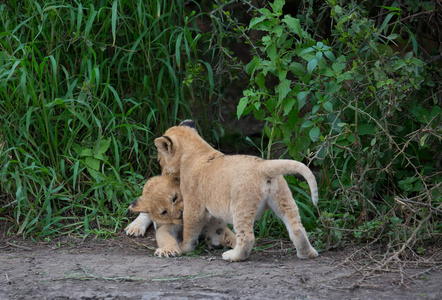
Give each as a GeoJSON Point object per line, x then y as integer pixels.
{"type": "Point", "coordinates": [330, 55]}
{"type": "Point", "coordinates": [271, 52]}
{"type": "Point", "coordinates": [417, 62]}
{"type": "Point", "coordinates": [351, 138]}
{"type": "Point", "coordinates": [252, 65]}
{"type": "Point", "coordinates": [302, 98]}
{"type": "Point", "coordinates": [92, 163]}
{"type": "Point", "coordinates": [421, 114]}
{"type": "Point", "coordinates": [338, 67]}
{"type": "Point", "coordinates": [307, 54]}
{"type": "Point", "coordinates": [428, 6]}
{"type": "Point", "coordinates": [289, 105]}
{"type": "Point", "coordinates": [101, 157]}
{"type": "Point", "coordinates": [104, 145]}
{"type": "Point", "coordinates": [312, 64]}
{"type": "Point", "coordinates": [332, 87]}
{"type": "Point", "coordinates": [345, 76]}
{"type": "Point", "coordinates": [366, 129]}
{"type": "Point", "coordinates": [423, 139]}
{"type": "Point", "coordinates": [114, 20]}
{"type": "Point", "coordinates": [328, 72]}
{"type": "Point", "coordinates": [257, 20]}
{"type": "Point", "coordinates": [277, 6]}
{"type": "Point", "coordinates": [392, 8]}
{"type": "Point", "coordinates": [86, 223]}
{"type": "Point", "coordinates": [293, 24]}
{"type": "Point", "coordinates": [328, 106]}
{"type": "Point", "coordinates": [86, 152]}
{"type": "Point", "coordinates": [384, 26]}
{"type": "Point", "coordinates": [314, 134]}
{"type": "Point", "coordinates": [307, 124]}
{"type": "Point", "coordinates": [283, 88]}
{"type": "Point", "coordinates": [297, 69]}
{"type": "Point", "coordinates": [399, 64]}
{"type": "Point", "coordinates": [241, 106]}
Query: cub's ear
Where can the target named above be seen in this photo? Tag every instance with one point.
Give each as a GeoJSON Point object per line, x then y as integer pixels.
{"type": "Point", "coordinates": [165, 145]}
{"type": "Point", "coordinates": [189, 123]}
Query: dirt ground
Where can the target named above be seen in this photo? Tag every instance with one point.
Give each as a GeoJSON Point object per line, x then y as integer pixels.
{"type": "Point", "coordinates": [125, 268]}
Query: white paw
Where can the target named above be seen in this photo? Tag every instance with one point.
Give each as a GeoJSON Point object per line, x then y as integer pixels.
{"type": "Point", "coordinates": [230, 255]}
{"type": "Point", "coordinates": [167, 252]}
{"type": "Point", "coordinates": [139, 225]}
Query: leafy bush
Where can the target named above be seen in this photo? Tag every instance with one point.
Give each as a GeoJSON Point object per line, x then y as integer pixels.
{"type": "Point", "coordinates": [85, 86]}
{"type": "Point", "coordinates": [366, 115]}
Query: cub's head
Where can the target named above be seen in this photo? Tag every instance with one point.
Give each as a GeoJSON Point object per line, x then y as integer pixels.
{"type": "Point", "coordinates": [172, 144]}
{"type": "Point", "coordinates": [162, 199]}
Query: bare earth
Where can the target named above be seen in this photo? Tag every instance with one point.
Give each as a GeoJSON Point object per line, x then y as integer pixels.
{"type": "Point", "coordinates": [124, 268]}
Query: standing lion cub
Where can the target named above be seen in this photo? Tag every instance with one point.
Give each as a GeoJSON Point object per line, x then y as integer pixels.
{"type": "Point", "coordinates": [234, 188]}
{"type": "Point", "coordinates": [161, 202]}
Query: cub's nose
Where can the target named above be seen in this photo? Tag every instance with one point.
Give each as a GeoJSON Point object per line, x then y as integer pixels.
{"type": "Point", "coordinates": [133, 205]}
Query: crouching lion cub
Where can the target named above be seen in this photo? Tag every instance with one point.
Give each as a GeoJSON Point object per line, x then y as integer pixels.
{"type": "Point", "coordinates": [161, 202]}
{"type": "Point", "coordinates": [234, 188]}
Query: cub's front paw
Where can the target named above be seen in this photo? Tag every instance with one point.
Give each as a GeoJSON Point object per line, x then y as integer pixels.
{"type": "Point", "coordinates": [232, 255]}
{"type": "Point", "coordinates": [229, 239]}
{"type": "Point", "coordinates": [168, 251]}
{"type": "Point", "coordinates": [139, 225]}
{"type": "Point", "coordinates": [186, 247]}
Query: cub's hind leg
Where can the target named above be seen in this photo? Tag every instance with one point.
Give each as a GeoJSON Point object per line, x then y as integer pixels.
{"type": "Point", "coordinates": [285, 208]}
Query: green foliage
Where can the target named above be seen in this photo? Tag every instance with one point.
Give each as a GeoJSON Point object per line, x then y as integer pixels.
{"type": "Point", "coordinates": [84, 88]}
{"type": "Point", "coordinates": [366, 115]}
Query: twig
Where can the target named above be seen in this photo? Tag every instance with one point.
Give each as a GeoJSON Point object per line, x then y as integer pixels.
{"type": "Point", "coordinates": [402, 274]}
{"type": "Point", "coordinates": [418, 203]}
{"type": "Point", "coordinates": [7, 278]}
{"type": "Point", "coordinates": [19, 246]}
{"type": "Point", "coordinates": [418, 14]}
{"type": "Point", "coordinates": [420, 273]}
{"type": "Point", "coordinates": [145, 246]}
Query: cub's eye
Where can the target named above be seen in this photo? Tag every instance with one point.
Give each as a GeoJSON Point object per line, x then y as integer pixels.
{"type": "Point", "coordinates": [164, 212]}
{"type": "Point", "coordinates": [175, 198]}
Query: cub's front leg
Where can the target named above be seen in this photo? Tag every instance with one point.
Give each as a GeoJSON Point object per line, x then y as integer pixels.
{"type": "Point", "coordinates": [218, 234]}
{"type": "Point", "coordinates": [228, 238]}
{"type": "Point", "coordinates": [167, 241]}
{"type": "Point", "coordinates": [193, 222]}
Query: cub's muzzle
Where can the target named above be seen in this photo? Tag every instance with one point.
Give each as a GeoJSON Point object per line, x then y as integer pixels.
{"type": "Point", "coordinates": [133, 205]}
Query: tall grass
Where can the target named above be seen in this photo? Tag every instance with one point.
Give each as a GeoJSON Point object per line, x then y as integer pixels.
{"type": "Point", "coordinates": [84, 88]}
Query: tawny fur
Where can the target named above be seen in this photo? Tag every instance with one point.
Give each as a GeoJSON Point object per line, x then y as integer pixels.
{"type": "Point", "coordinates": [234, 188]}
{"type": "Point", "coordinates": [162, 201]}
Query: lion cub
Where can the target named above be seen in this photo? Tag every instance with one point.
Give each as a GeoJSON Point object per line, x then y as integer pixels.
{"type": "Point", "coordinates": [233, 188]}
{"type": "Point", "coordinates": [161, 202]}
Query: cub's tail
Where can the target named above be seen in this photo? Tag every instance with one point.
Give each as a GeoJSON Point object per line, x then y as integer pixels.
{"type": "Point", "coordinates": [276, 167]}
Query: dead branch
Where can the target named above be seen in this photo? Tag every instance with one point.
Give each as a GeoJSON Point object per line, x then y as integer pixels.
{"type": "Point", "coordinates": [418, 203]}
{"type": "Point", "coordinates": [19, 246]}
